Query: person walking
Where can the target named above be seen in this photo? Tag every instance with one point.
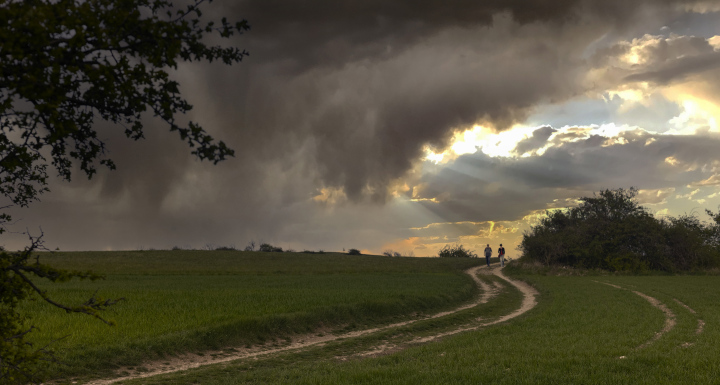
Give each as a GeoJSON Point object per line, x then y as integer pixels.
{"type": "Point", "coordinates": [501, 255]}
{"type": "Point", "coordinates": [488, 254]}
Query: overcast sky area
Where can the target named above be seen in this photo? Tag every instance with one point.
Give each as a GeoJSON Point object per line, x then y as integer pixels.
{"type": "Point", "coordinates": [410, 125]}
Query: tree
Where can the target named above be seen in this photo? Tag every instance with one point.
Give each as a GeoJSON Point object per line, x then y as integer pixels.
{"type": "Point", "coordinates": [714, 229]}
{"type": "Point", "coordinates": [64, 65]}
{"type": "Point", "coordinates": [611, 231]}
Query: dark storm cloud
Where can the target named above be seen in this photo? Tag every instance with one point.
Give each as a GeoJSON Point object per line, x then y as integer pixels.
{"type": "Point", "coordinates": [345, 95]}
{"type": "Point", "coordinates": [365, 85]}
{"type": "Point", "coordinates": [325, 33]}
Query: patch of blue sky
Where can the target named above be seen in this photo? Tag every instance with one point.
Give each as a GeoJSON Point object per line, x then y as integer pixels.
{"type": "Point", "coordinates": [653, 114]}
{"type": "Point", "coordinates": [577, 112]}
{"type": "Point", "coordinates": [696, 24]}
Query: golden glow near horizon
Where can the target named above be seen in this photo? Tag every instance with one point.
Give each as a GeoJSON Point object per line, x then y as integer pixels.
{"type": "Point", "coordinates": [472, 235]}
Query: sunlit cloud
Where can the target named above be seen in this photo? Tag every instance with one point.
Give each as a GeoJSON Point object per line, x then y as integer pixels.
{"type": "Point", "coordinates": [562, 204]}
{"type": "Point", "coordinates": [714, 180]}
{"type": "Point", "coordinates": [707, 6]}
{"type": "Point", "coordinates": [330, 196]}
{"type": "Point", "coordinates": [662, 212]}
{"type": "Point", "coordinates": [693, 118]}
{"type": "Point", "coordinates": [655, 196]}
{"type": "Point", "coordinates": [486, 140]}
{"type": "Point", "coordinates": [631, 95]}
{"type": "Point", "coordinates": [433, 157]}
{"type": "Point", "coordinates": [533, 218]}
{"type": "Point", "coordinates": [715, 42]}
{"type": "Point", "coordinates": [689, 195]}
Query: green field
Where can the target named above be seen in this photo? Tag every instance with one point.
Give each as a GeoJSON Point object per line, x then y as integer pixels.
{"type": "Point", "coordinates": [582, 332]}
{"type": "Point", "coordinates": [585, 329]}
{"type": "Point", "coordinates": [178, 301]}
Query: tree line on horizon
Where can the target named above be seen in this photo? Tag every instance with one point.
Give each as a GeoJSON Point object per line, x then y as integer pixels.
{"type": "Point", "coordinates": [612, 231]}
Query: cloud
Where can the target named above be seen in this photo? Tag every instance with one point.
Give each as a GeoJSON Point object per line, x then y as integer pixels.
{"type": "Point", "coordinates": [538, 139]}
{"type": "Point", "coordinates": [336, 105]}
{"type": "Point", "coordinates": [478, 187]}
{"type": "Point", "coordinates": [649, 71]}
{"type": "Point", "coordinates": [678, 69]}
{"type": "Point", "coordinates": [655, 196]}
{"type": "Point", "coordinates": [713, 180]}
{"type": "Point", "coordinates": [353, 80]}
{"type": "Point", "coordinates": [437, 229]}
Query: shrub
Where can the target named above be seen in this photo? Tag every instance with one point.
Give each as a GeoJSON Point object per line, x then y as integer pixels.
{"type": "Point", "coordinates": [354, 252]}
{"type": "Point", "coordinates": [456, 251]}
{"type": "Point", "coordinates": [266, 247]}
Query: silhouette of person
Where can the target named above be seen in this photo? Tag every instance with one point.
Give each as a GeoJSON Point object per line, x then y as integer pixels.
{"type": "Point", "coordinates": [488, 254]}
{"type": "Point", "coordinates": [501, 255]}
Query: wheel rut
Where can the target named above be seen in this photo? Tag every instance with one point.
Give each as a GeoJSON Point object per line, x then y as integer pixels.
{"type": "Point", "coordinates": [670, 317]}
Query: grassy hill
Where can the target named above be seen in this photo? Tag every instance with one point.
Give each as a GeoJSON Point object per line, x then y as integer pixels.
{"type": "Point", "coordinates": [179, 301]}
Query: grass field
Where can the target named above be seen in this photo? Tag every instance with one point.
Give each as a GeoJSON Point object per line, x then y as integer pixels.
{"type": "Point", "coordinates": [583, 331]}
{"type": "Point", "coordinates": [599, 329]}
{"type": "Point", "coordinates": [179, 301]}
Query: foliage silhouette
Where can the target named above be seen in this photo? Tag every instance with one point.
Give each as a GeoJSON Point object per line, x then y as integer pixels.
{"type": "Point", "coordinates": [611, 231]}
{"type": "Point", "coordinates": [64, 65]}
{"type": "Point", "coordinates": [268, 248]}
{"type": "Point", "coordinates": [456, 251]}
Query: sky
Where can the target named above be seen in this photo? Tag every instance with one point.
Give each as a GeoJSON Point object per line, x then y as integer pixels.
{"type": "Point", "coordinates": [408, 126]}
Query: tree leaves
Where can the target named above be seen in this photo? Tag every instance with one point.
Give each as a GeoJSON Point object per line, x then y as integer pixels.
{"type": "Point", "coordinates": [64, 66]}
{"type": "Point", "coordinates": [611, 231]}
{"type": "Point", "coordinates": [66, 63]}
